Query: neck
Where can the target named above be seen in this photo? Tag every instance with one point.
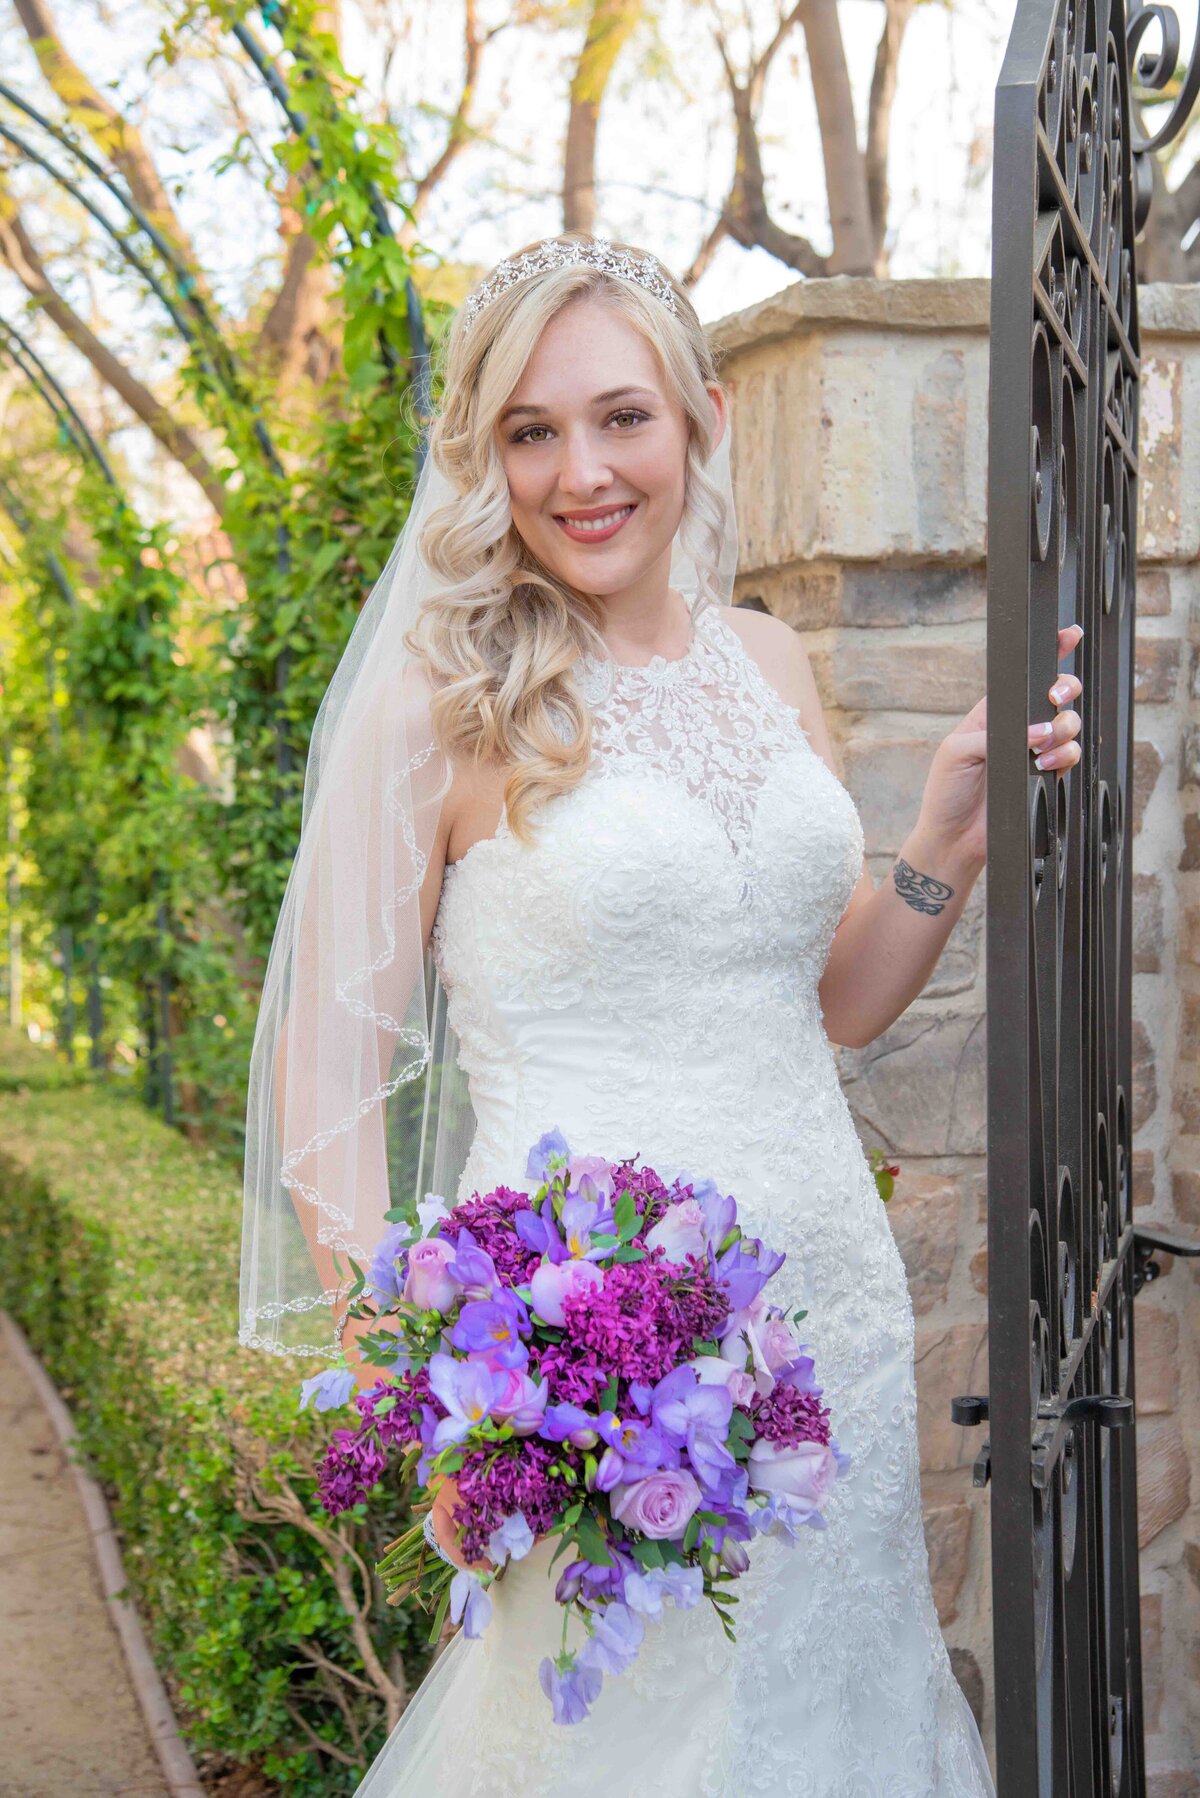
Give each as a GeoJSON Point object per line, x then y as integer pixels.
{"type": "Point", "coordinates": [646, 619]}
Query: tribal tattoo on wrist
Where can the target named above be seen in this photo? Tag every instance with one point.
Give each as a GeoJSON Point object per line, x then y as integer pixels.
{"type": "Point", "coordinates": [921, 891]}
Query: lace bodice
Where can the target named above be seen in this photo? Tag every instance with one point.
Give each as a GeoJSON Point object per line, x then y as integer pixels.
{"type": "Point", "coordinates": [645, 977]}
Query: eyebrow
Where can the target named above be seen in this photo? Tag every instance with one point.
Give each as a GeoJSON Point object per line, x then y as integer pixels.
{"type": "Point", "coordinates": [598, 399]}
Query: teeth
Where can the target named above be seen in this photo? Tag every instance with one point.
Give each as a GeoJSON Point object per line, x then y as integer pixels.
{"type": "Point", "coordinates": [599, 524]}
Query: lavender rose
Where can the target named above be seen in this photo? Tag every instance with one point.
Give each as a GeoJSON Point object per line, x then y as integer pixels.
{"type": "Point", "coordinates": [552, 1282]}
{"type": "Point", "coordinates": [802, 1475]}
{"type": "Point", "coordinates": [661, 1506]}
{"type": "Point", "coordinates": [430, 1286]}
{"type": "Point", "coordinates": [680, 1232]}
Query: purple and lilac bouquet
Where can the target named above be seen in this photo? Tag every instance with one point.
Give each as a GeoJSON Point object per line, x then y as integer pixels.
{"type": "Point", "coordinates": [596, 1361]}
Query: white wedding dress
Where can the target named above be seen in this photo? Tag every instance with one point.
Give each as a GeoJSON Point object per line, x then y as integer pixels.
{"type": "Point", "coordinates": [645, 978]}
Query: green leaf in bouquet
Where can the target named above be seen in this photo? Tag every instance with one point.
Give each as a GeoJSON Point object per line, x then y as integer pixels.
{"type": "Point", "coordinates": [591, 1540]}
{"type": "Point", "coordinates": [741, 1426]}
{"type": "Point", "coordinates": [797, 1315]}
{"type": "Point", "coordinates": [629, 1253]}
{"type": "Point", "coordinates": [704, 1345]}
{"type": "Point", "coordinates": [608, 1398]}
{"type": "Point", "coordinates": [625, 1217]}
{"type": "Point", "coordinates": [385, 1404]}
{"type": "Point", "coordinates": [691, 1535]}
{"type": "Point", "coordinates": [647, 1553]}
{"type": "Point", "coordinates": [711, 1517]}
{"type": "Point", "coordinates": [572, 1514]}
{"type": "Point", "coordinates": [671, 1554]}
{"type": "Point", "coordinates": [590, 1469]}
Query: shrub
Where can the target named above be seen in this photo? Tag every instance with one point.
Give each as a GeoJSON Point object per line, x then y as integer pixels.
{"type": "Point", "coordinates": [118, 1257]}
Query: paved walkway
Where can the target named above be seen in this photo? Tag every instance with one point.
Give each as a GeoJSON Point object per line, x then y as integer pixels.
{"type": "Point", "coordinates": [69, 1722]}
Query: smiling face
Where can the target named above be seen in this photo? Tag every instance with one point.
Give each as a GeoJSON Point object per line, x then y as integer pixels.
{"type": "Point", "coordinates": [595, 453]}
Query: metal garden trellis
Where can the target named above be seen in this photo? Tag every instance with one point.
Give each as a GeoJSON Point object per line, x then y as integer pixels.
{"type": "Point", "coordinates": [1071, 186]}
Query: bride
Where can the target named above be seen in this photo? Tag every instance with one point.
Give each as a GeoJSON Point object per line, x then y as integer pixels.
{"type": "Point", "coordinates": [598, 805]}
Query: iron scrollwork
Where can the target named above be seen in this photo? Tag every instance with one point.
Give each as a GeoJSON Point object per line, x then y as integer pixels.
{"type": "Point", "coordinates": [1071, 188]}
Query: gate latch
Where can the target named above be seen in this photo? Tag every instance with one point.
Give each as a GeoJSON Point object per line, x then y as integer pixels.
{"type": "Point", "coordinates": [1145, 1267]}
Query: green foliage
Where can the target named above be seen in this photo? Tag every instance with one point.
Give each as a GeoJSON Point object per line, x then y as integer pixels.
{"type": "Point", "coordinates": [118, 1257]}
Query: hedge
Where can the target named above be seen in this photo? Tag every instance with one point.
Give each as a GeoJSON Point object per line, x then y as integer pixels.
{"type": "Point", "coordinates": [118, 1257]}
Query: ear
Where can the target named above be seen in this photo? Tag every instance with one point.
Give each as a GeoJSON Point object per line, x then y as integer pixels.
{"type": "Point", "coordinates": [720, 416]}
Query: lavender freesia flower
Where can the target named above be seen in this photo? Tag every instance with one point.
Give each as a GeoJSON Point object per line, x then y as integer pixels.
{"type": "Point", "coordinates": [494, 1327]}
{"type": "Point", "coordinates": [581, 1218]}
{"type": "Point", "coordinates": [688, 1412]}
{"type": "Point", "coordinates": [569, 1423]}
{"type": "Point", "coordinates": [743, 1274]}
{"type": "Point", "coordinates": [615, 1639]}
{"type": "Point", "coordinates": [634, 1448]}
{"type": "Point", "coordinates": [548, 1154]}
{"type": "Point", "coordinates": [521, 1402]}
{"type": "Point", "coordinates": [472, 1267]}
{"type": "Point", "coordinates": [327, 1390]}
{"type": "Point", "coordinates": [512, 1541]}
{"type": "Point", "coordinates": [645, 1592]}
{"type": "Point", "coordinates": [469, 1604]}
{"type": "Point", "coordinates": [571, 1689]}
{"type": "Point", "coordinates": [386, 1274]}
{"type": "Point", "coordinates": [539, 1232]}
{"type": "Point", "coordinates": [468, 1390]}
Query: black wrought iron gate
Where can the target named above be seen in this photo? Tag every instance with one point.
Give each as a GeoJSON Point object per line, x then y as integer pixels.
{"type": "Point", "coordinates": [1064, 1259]}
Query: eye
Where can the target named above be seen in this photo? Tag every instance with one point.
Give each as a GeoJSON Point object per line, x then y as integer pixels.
{"type": "Point", "coordinates": [522, 436]}
{"type": "Point", "coordinates": [631, 412]}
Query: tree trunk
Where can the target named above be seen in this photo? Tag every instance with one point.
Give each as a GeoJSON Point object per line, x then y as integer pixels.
{"type": "Point", "coordinates": [611, 24]}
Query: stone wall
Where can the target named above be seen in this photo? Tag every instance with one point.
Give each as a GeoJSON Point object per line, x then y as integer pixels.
{"type": "Point", "coordinates": [860, 455]}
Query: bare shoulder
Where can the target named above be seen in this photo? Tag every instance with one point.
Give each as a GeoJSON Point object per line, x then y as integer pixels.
{"type": "Point", "coordinates": [782, 660]}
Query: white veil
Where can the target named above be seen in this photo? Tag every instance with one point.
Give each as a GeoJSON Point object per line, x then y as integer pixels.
{"type": "Point", "coordinates": [356, 1101]}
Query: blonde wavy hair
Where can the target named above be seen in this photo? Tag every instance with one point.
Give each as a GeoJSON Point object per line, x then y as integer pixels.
{"type": "Point", "coordinates": [501, 637]}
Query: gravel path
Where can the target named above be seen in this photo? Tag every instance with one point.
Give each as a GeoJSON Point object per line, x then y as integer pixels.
{"type": "Point", "coordinates": [69, 1722]}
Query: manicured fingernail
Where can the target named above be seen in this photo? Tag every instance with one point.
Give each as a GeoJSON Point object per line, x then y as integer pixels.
{"type": "Point", "coordinates": [1038, 732]}
{"type": "Point", "coordinates": [1060, 689]}
{"type": "Point", "coordinates": [1042, 761]}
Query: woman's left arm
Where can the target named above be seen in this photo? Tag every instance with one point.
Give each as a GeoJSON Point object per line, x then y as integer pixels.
{"type": "Point", "coordinates": [890, 937]}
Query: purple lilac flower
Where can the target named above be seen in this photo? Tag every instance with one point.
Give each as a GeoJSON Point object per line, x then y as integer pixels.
{"type": "Point", "coordinates": [571, 1689]}
{"type": "Point", "coordinates": [614, 1641]}
{"type": "Point", "coordinates": [492, 1485]}
{"type": "Point", "coordinates": [468, 1390]}
{"type": "Point", "coordinates": [354, 1462]}
{"type": "Point", "coordinates": [788, 1415]}
{"type": "Point", "coordinates": [327, 1390]}
{"type": "Point", "coordinates": [641, 1323]}
{"type": "Point", "coordinates": [548, 1154]}
{"type": "Point", "coordinates": [469, 1604]}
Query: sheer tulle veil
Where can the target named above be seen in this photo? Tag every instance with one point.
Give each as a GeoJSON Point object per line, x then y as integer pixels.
{"type": "Point", "coordinates": [356, 1101]}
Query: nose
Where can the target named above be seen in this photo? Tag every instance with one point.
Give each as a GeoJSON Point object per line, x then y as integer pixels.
{"type": "Point", "coordinates": [583, 471]}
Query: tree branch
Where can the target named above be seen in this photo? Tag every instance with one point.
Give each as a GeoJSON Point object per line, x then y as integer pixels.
{"type": "Point", "coordinates": [611, 23]}
{"type": "Point", "coordinates": [117, 139]}
{"type": "Point", "coordinates": [18, 250]}
{"type": "Point", "coordinates": [879, 118]}
{"type": "Point", "coordinates": [845, 177]}
{"type": "Point", "coordinates": [459, 134]}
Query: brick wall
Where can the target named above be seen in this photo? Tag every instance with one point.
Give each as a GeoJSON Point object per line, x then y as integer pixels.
{"type": "Point", "coordinates": [860, 460]}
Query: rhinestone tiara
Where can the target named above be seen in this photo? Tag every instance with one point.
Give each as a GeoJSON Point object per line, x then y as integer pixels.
{"type": "Point", "coordinates": [589, 252]}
